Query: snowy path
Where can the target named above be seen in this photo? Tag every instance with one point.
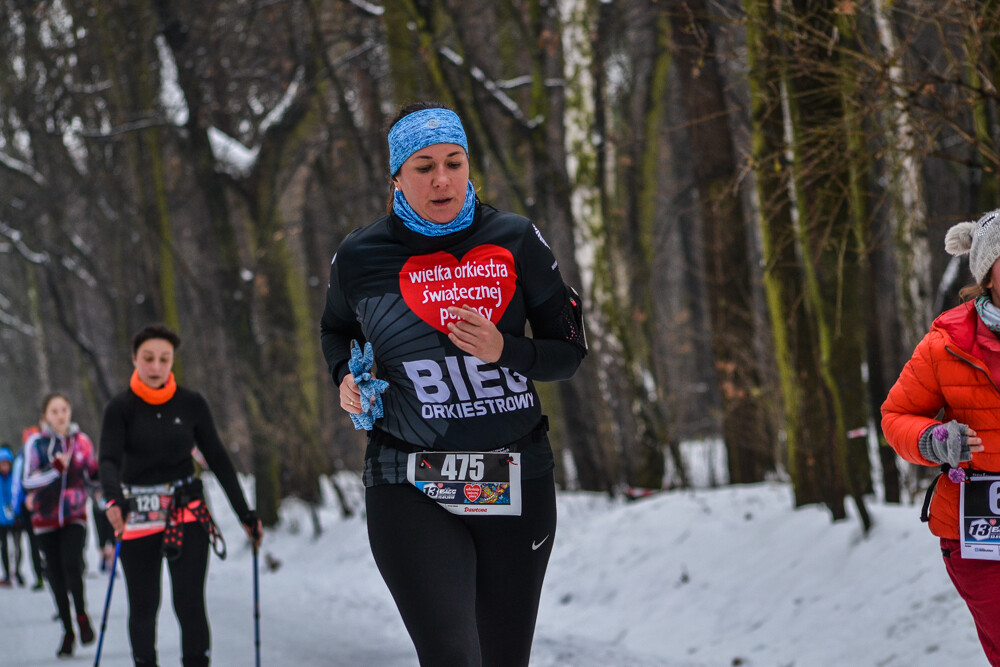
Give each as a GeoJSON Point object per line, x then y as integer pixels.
{"type": "Point", "coordinates": [705, 578]}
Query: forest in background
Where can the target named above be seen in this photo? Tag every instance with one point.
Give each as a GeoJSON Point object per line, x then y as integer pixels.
{"type": "Point", "coordinates": [750, 195]}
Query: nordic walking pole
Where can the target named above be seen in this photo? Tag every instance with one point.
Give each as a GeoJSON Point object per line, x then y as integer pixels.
{"type": "Point", "coordinates": [107, 601]}
{"type": "Point", "coordinates": [256, 608]}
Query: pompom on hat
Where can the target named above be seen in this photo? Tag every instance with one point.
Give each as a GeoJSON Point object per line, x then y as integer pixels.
{"type": "Point", "coordinates": [981, 239]}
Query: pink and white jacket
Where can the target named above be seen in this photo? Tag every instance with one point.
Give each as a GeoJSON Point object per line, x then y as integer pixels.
{"type": "Point", "coordinates": [58, 495]}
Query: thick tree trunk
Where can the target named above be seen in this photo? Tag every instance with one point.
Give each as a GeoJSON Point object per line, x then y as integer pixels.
{"type": "Point", "coordinates": [783, 284]}
{"type": "Point", "coordinates": [829, 246]}
{"type": "Point", "coordinates": [746, 432]}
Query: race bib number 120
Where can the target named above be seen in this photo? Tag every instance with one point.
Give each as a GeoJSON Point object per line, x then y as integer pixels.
{"type": "Point", "coordinates": [148, 507]}
{"type": "Point", "coordinates": [979, 512]}
{"type": "Point", "coordinates": [469, 483]}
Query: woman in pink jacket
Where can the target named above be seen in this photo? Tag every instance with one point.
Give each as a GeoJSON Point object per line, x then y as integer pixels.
{"type": "Point", "coordinates": [58, 469]}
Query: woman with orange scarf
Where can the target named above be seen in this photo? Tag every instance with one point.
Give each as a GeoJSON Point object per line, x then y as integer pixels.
{"type": "Point", "coordinates": [155, 503]}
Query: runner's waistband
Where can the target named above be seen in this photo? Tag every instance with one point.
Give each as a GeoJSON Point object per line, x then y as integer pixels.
{"type": "Point", "coordinates": [380, 438]}
{"type": "Point", "coordinates": [166, 488]}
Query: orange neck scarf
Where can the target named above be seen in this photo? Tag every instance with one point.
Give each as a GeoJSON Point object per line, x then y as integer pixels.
{"type": "Point", "coordinates": [151, 395]}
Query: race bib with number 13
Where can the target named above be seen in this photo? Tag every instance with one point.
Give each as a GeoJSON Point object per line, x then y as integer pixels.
{"type": "Point", "coordinates": [979, 514]}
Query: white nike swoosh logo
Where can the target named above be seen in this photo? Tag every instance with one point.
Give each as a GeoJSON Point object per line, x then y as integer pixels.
{"type": "Point", "coordinates": [534, 547]}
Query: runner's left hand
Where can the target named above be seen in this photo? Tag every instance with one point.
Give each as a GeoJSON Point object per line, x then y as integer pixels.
{"type": "Point", "coordinates": [255, 531]}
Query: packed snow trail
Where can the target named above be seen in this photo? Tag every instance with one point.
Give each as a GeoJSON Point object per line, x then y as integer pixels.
{"type": "Point", "coordinates": [702, 578]}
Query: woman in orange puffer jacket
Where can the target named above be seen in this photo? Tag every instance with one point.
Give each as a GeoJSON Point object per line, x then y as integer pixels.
{"type": "Point", "coordinates": [944, 410]}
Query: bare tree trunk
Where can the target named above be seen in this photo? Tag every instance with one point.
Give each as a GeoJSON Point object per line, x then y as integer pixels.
{"type": "Point", "coordinates": [829, 246]}
{"type": "Point", "coordinates": [748, 438]}
{"type": "Point", "coordinates": [576, 208]}
{"type": "Point", "coordinates": [782, 280]}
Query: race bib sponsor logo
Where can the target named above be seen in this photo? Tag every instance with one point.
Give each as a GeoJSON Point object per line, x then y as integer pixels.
{"type": "Point", "coordinates": [984, 529]}
{"type": "Point", "coordinates": [483, 279]}
{"type": "Point", "coordinates": [441, 492]}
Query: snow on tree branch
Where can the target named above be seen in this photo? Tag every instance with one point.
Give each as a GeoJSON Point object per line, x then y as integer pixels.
{"type": "Point", "coordinates": [22, 248]}
{"type": "Point", "coordinates": [22, 167]}
{"type": "Point", "coordinates": [371, 8]}
{"type": "Point", "coordinates": [13, 321]}
{"type": "Point", "coordinates": [234, 157]}
{"type": "Point", "coordinates": [71, 264]}
{"type": "Point", "coordinates": [493, 88]}
{"type": "Point", "coordinates": [171, 94]}
{"type": "Point", "coordinates": [230, 154]}
{"type": "Point", "coordinates": [281, 108]}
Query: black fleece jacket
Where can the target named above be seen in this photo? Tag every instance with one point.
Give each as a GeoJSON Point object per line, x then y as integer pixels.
{"type": "Point", "coordinates": [146, 444]}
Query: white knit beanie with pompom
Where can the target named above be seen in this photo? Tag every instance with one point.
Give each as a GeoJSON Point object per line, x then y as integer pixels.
{"type": "Point", "coordinates": [981, 239]}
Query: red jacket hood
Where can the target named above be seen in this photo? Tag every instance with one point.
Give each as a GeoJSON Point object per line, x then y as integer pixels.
{"type": "Point", "coordinates": [961, 324]}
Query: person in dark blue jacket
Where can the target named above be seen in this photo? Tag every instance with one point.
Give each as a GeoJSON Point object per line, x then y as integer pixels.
{"type": "Point", "coordinates": [23, 519]}
{"type": "Point", "coordinates": [9, 518]}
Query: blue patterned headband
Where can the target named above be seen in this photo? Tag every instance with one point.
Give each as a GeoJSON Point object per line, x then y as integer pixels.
{"type": "Point", "coordinates": [421, 129]}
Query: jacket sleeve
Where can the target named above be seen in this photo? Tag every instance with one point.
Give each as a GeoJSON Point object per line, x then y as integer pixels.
{"type": "Point", "coordinates": [112, 450]}
{"type": "Point", "coordinates": [17, 485]}
{"type": "Point", "coordinates": [218, 459]}
{"type": "Point", "coordinates": [90, 466]}
{"type": "Point", "coordinates": [914, 403]}
{"type": "Point", "coordinates": [557, 344]}
{"type": "Point", "coordinates": [38, 469]}
{"type": "Point", "coordinates": [338, 327]}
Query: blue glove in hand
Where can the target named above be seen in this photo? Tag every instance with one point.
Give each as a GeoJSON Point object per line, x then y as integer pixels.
{"type": "Point", "coordinates": [361, 365]}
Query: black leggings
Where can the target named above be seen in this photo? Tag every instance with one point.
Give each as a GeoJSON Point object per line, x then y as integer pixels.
{"type": "Point", "coordinates": [63, 549]}
{"type": "Point", "coordinates": [33, 546]}
{"type": "Point", "coordinates": [15, 534]}
{"type": "Point", "coordinates": [440, 566]}
{"type": "Point", "coordinates": [142, 560]}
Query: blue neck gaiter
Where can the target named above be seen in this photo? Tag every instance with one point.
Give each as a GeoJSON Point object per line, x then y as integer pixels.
{"type": "Point", "coordinates": [414, 222]}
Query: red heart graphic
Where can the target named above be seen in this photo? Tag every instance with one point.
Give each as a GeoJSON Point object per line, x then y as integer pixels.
{"type": "Point", "coordinates": [473, 491]}
{"type": "Point", "coordinates": [484, 279]}
{"type": "Point", "coordinates": [165, 502]}
{"type": "Point", "coordinates": [993, 522]}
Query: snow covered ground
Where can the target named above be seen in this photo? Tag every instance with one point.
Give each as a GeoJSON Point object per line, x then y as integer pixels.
{"type": "Point", "coordinates": [732, 576]}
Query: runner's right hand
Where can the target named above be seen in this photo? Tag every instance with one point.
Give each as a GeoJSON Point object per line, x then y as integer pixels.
{"type": "Point", "coordinates": [114, 514]}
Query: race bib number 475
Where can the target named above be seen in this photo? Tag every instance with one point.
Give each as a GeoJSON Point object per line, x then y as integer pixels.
{"type": "Point", "coordinates": [979, 511]}
{"type": "Point", "coordinates": [469, 483]}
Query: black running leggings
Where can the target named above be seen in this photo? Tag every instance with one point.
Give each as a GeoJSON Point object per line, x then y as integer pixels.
{"type": "Point", "coordinates": [63, 549]}
{"type": "Point", "coordinates": [33, 546]}
{"type": "Point", "coordinates": [142, 560]}
{"type": "Point", "coordinates": [440, 567]}
{"type": "Point", "coordinates": [15, 535]}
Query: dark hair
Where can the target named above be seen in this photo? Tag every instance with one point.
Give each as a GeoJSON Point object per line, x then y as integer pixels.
{"type": "Point", "coordinates": [151, 331]}
{"type": "Point", "coordinates": [405, 111]}
{"type": "Point", "coordinates": [53, 396]}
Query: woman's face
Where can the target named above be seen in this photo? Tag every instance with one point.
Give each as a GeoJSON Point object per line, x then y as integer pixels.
{"type": "Point", "coordinates": [153, 361]}
{"type": "Point", "coordinates": [434, 181]}
{"type": "Point", "coordinates": [58, 414]}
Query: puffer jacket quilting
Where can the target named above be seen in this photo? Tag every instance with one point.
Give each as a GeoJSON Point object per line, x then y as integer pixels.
{"type": "Point", "coordinates": [948, 377]}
